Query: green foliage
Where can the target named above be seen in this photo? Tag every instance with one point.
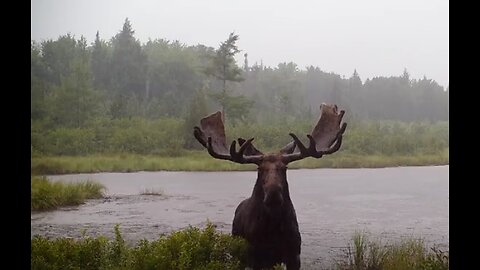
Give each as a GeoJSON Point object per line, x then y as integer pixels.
{"type": "Point", "coordinates": [173, 76]}
{"type": "Point", "coordinates": [237, 108]}
{"type": "Point", "coordinates": [191, 248]}
{"type": "Point", "coordinates": [223, 67]}
{"type": "Point", "coordinates": [122, 96]}
{"type": "Point", "coordinates": [207, 249]}
{"type": "Point", "coordinates": [140, 144]}
{"type": "Point", "coordinates": [135, 135]}
{"type": "Point", "coordinates": [197, 110]}
{"type": "Point", "coordinates": [64, 141]}
{"type": "Point", "coordinates": [411, 254]}
{"type": "Point", "coordinates": [47, 195]}
{"type": "Point", "coordinates": [128, 63]}
{"type": "Point", "coordinates": [100, 64]}
{"type": "Point", "coordinates": [72, 83]}
{"type": "Point", "coordinates": [67, 253]}
{"type": "Point", "coordinates": [396, 138]}
{"type": "Point", "coordinates": [169, 136]}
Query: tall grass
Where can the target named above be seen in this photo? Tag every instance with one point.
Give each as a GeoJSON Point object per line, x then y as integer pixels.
{"type": "Point", "coordinates": [408, 254]}
{"type": "Point", "coordinates": [47, 195]}
{"type": "Point", "coordinates": [201, 161]}
{"type": "Point", "coordinates": [191, 248]}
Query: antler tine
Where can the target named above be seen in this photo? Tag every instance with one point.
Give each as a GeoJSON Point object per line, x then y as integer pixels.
{"type": "Point", "coordinates": [327, 135]}
{"type": "Point", "coordinates": [197, 132]}
{"type": "Point", "coordinates": [300, 145]}
{"type": "Point", "coordinates": [311, 151]}
{"type": "Point", "coordinates": [239, 156]}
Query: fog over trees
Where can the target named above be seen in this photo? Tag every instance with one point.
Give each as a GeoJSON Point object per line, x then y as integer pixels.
{"type": "Point", "coordinates": [75, 83]}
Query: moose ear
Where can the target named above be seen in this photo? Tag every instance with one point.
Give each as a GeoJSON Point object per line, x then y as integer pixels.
{"type": "Point", "coordinates": [250, 150]}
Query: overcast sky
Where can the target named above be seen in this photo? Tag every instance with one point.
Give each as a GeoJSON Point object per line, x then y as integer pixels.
{"type": "Point", "coordinates": [377, 38]}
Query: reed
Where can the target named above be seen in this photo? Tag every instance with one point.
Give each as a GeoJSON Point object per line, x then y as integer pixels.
{"type": "Point", "coordinates": [47, 195]}
{"type": "Point", "coordinates": [406, 254]}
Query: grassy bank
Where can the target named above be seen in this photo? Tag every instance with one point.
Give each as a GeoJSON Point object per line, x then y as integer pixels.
{"type": "Point", "coordinates": [46, 195]}
{"type": "Point", "coordinates": [364, 254]}
{"type": "Point", "coordinates": [201, 161]}
{"type": "Point", "coordinates": [206, 248]}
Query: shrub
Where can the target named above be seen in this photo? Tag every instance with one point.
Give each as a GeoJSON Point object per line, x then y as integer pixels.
{"type": "Point", "coordinates": [191, 248]}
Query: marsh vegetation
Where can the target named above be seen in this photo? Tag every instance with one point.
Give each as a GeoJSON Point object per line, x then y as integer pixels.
{"type": "Point", "coordinates": [48, 195]}
{"type": "Point", "coordinates": [206, 248]}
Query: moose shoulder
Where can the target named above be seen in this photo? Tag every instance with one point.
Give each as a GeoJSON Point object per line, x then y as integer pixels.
{"type": "Point", "coordinates": [267, 219]}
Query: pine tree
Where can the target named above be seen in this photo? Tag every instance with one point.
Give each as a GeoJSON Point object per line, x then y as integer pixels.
{"type": "Point", "coordinates": [224, 68]}
{"type": "Point", "coordinates": [128, 69]}
{"type": "Point", "coordinates": [100, 64]}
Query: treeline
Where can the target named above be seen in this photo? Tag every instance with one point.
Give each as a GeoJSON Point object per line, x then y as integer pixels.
{"type": "Point", "coordinates": [122, 95]}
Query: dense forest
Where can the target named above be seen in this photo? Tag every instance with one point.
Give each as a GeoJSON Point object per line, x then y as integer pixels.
{"type": "Point", "coordinates": [121, 95]}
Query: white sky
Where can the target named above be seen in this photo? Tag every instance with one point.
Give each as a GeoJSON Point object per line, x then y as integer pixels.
{"type": "Point", "coordinates": [376, 37]}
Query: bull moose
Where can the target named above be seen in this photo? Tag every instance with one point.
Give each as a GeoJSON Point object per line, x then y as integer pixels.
{"type": "Point", "coordinates": [267, 219]}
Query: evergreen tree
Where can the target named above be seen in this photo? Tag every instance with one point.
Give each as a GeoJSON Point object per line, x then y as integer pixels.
{"type": "Point", "coordinates": [100, 64]}
{"type": "Point", "coordinates": [39, 86]}
{"type": "Point", "coordinates": [128, 69]}
{"type": "Point", "coordinates": [58, 57]}
{"type": "Point", "coordinates": [74, 101]}
{"type": "Point", "coordinates": [355, 95]}
{"type": "Point", "coordinates": [224, 68]}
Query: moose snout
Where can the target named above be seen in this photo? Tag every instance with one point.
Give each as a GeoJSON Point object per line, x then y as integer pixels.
{"type": "Point", "coordinates": [273, 197]}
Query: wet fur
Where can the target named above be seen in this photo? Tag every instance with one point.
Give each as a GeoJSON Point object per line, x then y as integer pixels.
{"type": "Point", "coordinates": [273, 236]}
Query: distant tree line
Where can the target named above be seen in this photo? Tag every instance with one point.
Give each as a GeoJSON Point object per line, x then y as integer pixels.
{"type": "Point", "coordinates": [75, 84]}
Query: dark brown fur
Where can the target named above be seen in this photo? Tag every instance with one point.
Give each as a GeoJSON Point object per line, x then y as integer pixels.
{"type": "Point", "coordinates": [267, 219]}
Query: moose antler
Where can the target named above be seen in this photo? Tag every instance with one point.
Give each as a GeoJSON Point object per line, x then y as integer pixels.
{"type": "Point", "coordinates": [250, 150]}
{"type": "Point", "coordinates": [211, 134]}
{"type": "Point", "coordinates": [325, 138]}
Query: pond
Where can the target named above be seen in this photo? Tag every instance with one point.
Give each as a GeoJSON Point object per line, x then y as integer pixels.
{"type": "Point", "coordinates": [331, 204]}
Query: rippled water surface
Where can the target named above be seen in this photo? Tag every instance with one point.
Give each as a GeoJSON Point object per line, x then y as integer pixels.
{"type": "Point", "coordinates": [331, 204]}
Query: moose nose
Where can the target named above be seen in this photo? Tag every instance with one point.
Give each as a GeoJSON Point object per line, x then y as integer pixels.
{"type": "Point", "coordinates": [273, 197]}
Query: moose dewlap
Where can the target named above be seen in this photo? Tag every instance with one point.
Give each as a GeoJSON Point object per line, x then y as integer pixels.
{"type": "Point", "coordinates": [267, 219]}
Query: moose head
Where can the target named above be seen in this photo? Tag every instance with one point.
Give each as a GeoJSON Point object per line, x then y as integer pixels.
{"type": "Point", "coordinates": [267, 219]}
